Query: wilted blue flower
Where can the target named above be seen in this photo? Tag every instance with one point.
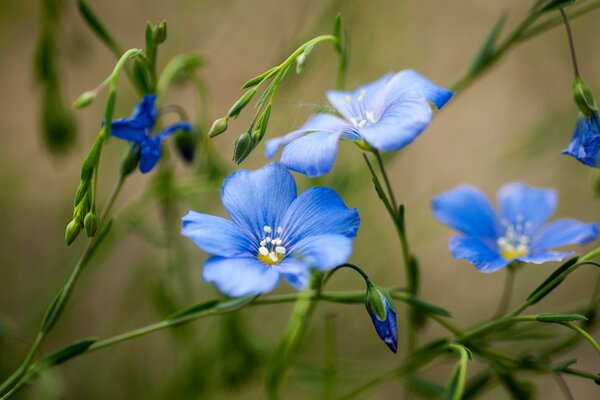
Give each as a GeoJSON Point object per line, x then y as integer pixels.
{"type": "Point", "coordinates": [274, 232]}
{"type": "Point", "coordinates": [385, 115]}
{"type": "Point", "coordinates": [383, 315]}
{"type": "Point", "coordinates": [491, 242]}
{"type": "Point", "coordinates": [585, 143]}
{"type": "Point", "coordinates": [138, 129]}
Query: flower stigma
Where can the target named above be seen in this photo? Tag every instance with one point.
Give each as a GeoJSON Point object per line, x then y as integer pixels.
{"type": "Point", "coordinates": [514, 243]}
{"type": "Point", "coordinates": [271, 251]}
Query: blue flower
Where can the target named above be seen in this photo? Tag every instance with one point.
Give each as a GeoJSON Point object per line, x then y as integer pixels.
{"type": "Point", "coordinates": [138, 129]}
{"type": "Point", "coordinates": [382, 315]}
{"type": "Point", "coordinates": [585, 143]}
{"type": "Point", "coordinates": [387, 115]}
{"type": "Point", "coordinates": [273, 233]}
{"type": "Point", "coordinates": [518, 233]}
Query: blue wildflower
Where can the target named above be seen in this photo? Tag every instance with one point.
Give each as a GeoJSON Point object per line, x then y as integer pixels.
{"type": "Point", "coordinates": [383, 315]}
{"type": "Point", "coordinates": [585, 143]}
{"type": "Point", "coordinates": [491, 242]}
{"type": "Point", "coordinates": [274, 232]}
{"type": "Point", "coordinates": [138, 129]}
{"type": "Point", "coordinates": [387, 115]}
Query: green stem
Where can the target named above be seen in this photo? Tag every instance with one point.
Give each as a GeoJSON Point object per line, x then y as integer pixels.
{"type": "Point", "coordinates": [507, 292]}
{"type": "Point", "coordinates": [563, 14]}
{"type": "Point", "coordinates": [581, 332]}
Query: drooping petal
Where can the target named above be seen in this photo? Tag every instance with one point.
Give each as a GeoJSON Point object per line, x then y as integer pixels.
{"type": "Point", "coordinates": [215, 235]}
{"type": "Point", "coordinates": [352, 104]}
{"type": "Point", "coordinates": [409, 81]}
{"type": "Point", "coordinates": [313, 154]}
{"type": "Point", "coordinates": [477, 253]}
{"type": "Point", "coordinates": [523, 205]}
{"type": "Point", "coordinates": [295, 272]}
{"type": "Point", "coordinates": [316, 123]}
{"type": "Point", "coordinates": [255, 199]}
{"type": "Point", "coordinates": [322, 251]}
{"type": "Point", "coordinates": [401, 122]}
{"type": "Point", "coordinates": [544, 256]}
{"type": "Point", "coordinates": [563, 232]}
{"type": "Point", "coordinates": [318, 211]}
{"type": "Point", "coordinates": [136, 127]}
{"type": "Point", "coordinates": [168, 131]}
{"type": "Point", "coordinates": [468, 211]}
{"type": "Point", "coordinates": [149, 154]}
{"type": "Point", "coordinates": [240, 276]}
{"type": "Point", "coordinates": [585, 143]}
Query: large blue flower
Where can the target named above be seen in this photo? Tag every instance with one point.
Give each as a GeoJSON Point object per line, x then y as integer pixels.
{"type": "Point", "coordinates": [274, 232]}
{"type": "Point", "coordinates": [138, 129]}
{"type": "Point", "coordinates": [491, 242]}
{"type": "Point", "coordinates": [585, 143]}
{"type": "Point", "coordinates": [385, 115]}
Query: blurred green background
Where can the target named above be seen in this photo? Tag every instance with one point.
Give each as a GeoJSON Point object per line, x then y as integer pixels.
{"type": "Point", "coordinates": [509, 126]}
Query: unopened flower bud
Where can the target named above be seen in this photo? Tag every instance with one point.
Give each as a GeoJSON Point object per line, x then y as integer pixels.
{"type": "Point", "coordinates": [583, 97]}
{"type": "Point", "coordinates": [218, 127]}
{"type": "Point", "coordinates": [243, 146]}
{"type": "Point", "coordinates": [185, 143]}
{"type": "Point", "coordinates": [90, 223]}
{"type": "Point", "coordinates": [241, 103]}
{"type": "Point", "coordinates": [160, 32]}
{"type": "Point", "coordinates": [383, 315]}
{"type": "Point", "coordinates": [72, 231]}
{"type": "Point", "coordinates": [85, 99]}
{"type": "Point", "coordinates": [130, 160]}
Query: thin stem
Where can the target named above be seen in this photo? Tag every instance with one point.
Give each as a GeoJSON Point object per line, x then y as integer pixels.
{"type": "Point", "coordinates": [507, 292]}
{"type": "Point", "coordinates": [571, 43]}
{"type": "Point", "coordinates": [583, 334]}
{"type": "Point", "coordinates": [564, 388]}
{"type": "Point", "coordinates": [386, 179]}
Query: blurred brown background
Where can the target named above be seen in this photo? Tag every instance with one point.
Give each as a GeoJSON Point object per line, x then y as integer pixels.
{"type": "Point", "coordinates": [509, 126]}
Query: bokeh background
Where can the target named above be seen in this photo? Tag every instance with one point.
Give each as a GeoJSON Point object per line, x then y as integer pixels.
{"type": "Point", "coordinates": [508, 126]}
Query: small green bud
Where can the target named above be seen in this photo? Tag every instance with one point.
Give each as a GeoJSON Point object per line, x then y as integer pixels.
{"type": "Point", "coordinates": [261, 125]}
{"type": "Point", "coordinates": [90, 223]}
{"type": "Point", "coordinates": [160, 32]}
{"type": "Point", "coordinates": [72, 231]}
{"type": "Point", "coordinates": [130, 160]}
{"type": "Point", "coordinates": [218, 127]}
{"type": "Point", "coordinates": [241, 103]}
{"type": "Point", "coordinates": [300, 62]}
{"type": "Point", "coordinates": [243, 146]}
{"type": "Point", "coordinates": [82, 190]}
{"type": "Point", "coordinates": [583, 97]}
{"type": "Point", "coordinates": [85, 99]}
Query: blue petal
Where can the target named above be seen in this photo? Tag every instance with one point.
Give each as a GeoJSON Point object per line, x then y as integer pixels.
{"type": "Point", "coordinates": [563, 232]}
{"type": "Point", "coordinates": [544, 256]}
{"type": "Point", "coordinates": [216, 235]}
{"type": "Point", "coordinates": [521, 204]}
{"type": "Point", "coordinates": [322, 251]}
{"type": "Point", "coordinates": [296, 272]}
{"type": "Point", "coordinates": [387, 330]}
{"type": "Point", "coordinates": [477, 253]}
{"type": "Point", "coordinates": [168, 131]}
{"type": "Point", "coordinates": [318, 122]}
{"type": "Point", "coordinates": [371, 98]}
{"type": "Point", "coordinates": [136, 127]}
{"type": "Point", "coordinates": [149, 154]}
{"type": "Point", "coordinates": [240, 276]}
{"type": "Point", "coordinates": [312, 155]}
{"type": "Point", "coordinates": [399, 124]}
{"type": "Point", "coordinates": [318, 211]}
{"type": "Point", "coordinates": [254, 199]}
{"type": "Point", "coordinates": [409, 81]}
{"type": "Point", "coordinates": [585, 143]}
{"type": "Point", "coordinates": [467, 210]}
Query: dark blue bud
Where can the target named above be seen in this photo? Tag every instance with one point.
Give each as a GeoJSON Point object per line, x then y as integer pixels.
{"type": "Point", "coordinates": [383, 315]}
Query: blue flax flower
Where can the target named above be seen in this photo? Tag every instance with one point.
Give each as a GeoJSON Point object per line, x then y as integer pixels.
{"type": "Point", "coordinates": [382, 315]}
{"type": "Point", "coordinates": [585, 143]}
{"type": "Point", "coordinates": [138, 129]}
{"type": "Point", "coordinates": [273, 233]}
{"type": "Point", "coordinates": [491, 241]}
{"type": "Point", "coordinates": [385, 115]}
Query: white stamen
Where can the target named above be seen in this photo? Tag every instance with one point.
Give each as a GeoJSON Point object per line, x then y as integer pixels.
{"type": "Point", "coordinates": [267, 229]}
{"type": "Point", "coordinates": [263, 243]}
{"type": "Point", "coordinates": [276, 241]}
{"type": "Point", "coordinates": [280, 250]}
{"type": "Point", "coordinates": [273, 257]}
{"type": "Point", "coordinates": [371, 116]}
{"type": "Point", "coordinates": [263, 251]}
{"type": "Point", "coordinates": [348, 99]}
{"type": "Point", "coordinates": [279, 229]}
{"type": "Point", "coordinates": [362, 123]}
{"type": "Point", "coordinates": [361, 96]}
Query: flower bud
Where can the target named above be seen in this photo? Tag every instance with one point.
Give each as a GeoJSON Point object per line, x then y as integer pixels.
{"type": "Point", "coordinates": [383, 315]}
{"type": "Point", "coordinates": [261, 125]}
{"type": "Point", "coordinates": [85, 99]}
{"type": "Point", "coordinates": [160, 32]}
{"type": "Point", "coordinates": [72, 231]}
{"type": "Point", "coordinates": [241, 103]}
{"type": "Point", "coordinates": [185, 143]}
{"type": "Point", "coordinates": [218, 127]}
{"type": "Point", "coordinates": [583, 97]}
{"type": "Point", "coordinates": [90, 223]}
{"type": "Point", "coordinates": [130, 160]}
{"type": "Point", "coordinates": [243, 146]}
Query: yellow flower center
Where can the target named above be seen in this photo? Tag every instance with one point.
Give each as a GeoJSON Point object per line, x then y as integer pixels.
{"type": "Point", "coordinates": [514, 243]}
{"type": "Point", "coordinates": [271, 251]}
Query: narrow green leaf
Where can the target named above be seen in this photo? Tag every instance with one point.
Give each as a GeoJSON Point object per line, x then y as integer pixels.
{"type": "Point", "coordinates": [559, 317]}
{"type": "Point", "coordinates": [563, 365]}
{"type": "Point", "coordinates": [542, 291]}
{"type": "Point", "coordinates": [258, 79]}
{"type": "Point", "coordinates": [486, 50]}
{"type": "Point", "coordinates": [555, 5]}
{"type": "Point", "coordinates": [53, 311]}
{"type": "Point", "coordinates": [64, 354]}
{"type": "Point", "coordinates": [424, 387]}
{"type": "Point", "coordinates": [96, 25]}
{"type": "Point", "coordinates": [194, 309]}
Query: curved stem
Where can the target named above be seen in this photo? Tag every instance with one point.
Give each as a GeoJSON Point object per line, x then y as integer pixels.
{"type": "Point", "coordinates": [581, 332]}
{"type": "Point", "coordinates": [571, 43]}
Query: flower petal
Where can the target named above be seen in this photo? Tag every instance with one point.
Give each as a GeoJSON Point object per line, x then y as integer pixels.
{"type": "Point", "coordinates": [322, 251]}
{"type": "Point", "coordinates": [254, 199]}
{"type": "Point", "coordinates": [585, 143]}
{"type": "Point", "coordinates": [544, 256]}
{"type": "Point", "coordinates": [318, 211]}
{"type": "Point", "coordinates": [318, 122]}
{"type": "Point", "coordinates": [467, 210]}
{"type": "Point", "coordinates": [216, 235]}
{"type": "Point", "coordinates": [149, 154]}
{"type": "Point", "coordinates": [136, 127]}
{"type": "Point", "coordinates": [367, 97]}
{"type": "Point", "coordinates": [522, 204]}
{"type": "Point", "coordinates": [312, 155]}
{"type": "Point", "coordinates": [409, 81]}
{"type": "Point", "coordinates": [477, 253]}
{"type": "Point", "coordinates": [563, 232]}
{"type": "Point", "coordinates": [295, 272]}
{"type": "Point", "coordinates": [400, 123]}
{"type": "Point", "coordinates": [168, 131]}
{"type": "Point", "coordinates": [240, 276]}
